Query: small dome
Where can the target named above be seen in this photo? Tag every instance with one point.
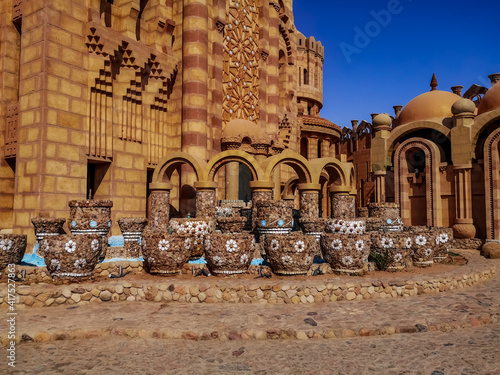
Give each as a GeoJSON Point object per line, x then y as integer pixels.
{"type": "Point", "coordinates": [382, 119]}
{"type": "Point", "coordinates": [463, 105]}
{"type": "Point", "coordinates": [240, 129]}
{"type": "Point", "coordinates": [491, 100]}
{"type": "Point", "coordinates": [432, 104]}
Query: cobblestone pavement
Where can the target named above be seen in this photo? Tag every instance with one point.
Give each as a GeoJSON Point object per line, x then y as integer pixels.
{"type": "Point", "coordinates": [466, 351]}
{"type": "Point", "coordinates": [434, 312]}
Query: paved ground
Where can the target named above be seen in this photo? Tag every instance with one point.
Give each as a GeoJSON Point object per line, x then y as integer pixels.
{"type": "Point", "coordinates": [467, 351]}
{"type": "Point", "coordinates": [451, 333]}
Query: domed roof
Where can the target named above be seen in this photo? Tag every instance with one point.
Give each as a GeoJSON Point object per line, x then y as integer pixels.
{"type": "Point", "coordinates": [491, 100]}
{"type": "Point", "coordinates": [432, 104]}
{"type": "Point", "coordinates": [382, 119]}
{"type": "Point", "coordinates": [238, 129]}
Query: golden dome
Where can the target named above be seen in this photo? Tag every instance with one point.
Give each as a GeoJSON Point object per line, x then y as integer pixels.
{"type": "Point", "coordinates": [382, 119]}
{"type": "Point", "coordinates": [238, 129]}
{"type": "Point", "coordinates": [432, 104]}
{"type": "Point", "coordinates": [491, 100]}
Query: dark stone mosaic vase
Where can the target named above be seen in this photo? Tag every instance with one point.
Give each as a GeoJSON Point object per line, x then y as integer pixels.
{"type": "Point", "coordinates": [291, 254]}
{"type": "Point", "coordinates": [165, 253]}
{"type": "Point", "coordinates": [12, 248]}
{"type": "Point", "coordinates": [346, 253]}
{"type": "Point", "coordinates": [229, 253]}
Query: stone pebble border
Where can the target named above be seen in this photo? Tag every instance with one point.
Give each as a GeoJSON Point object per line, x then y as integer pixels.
{"type": "Point", "coordinates": [232, 290]}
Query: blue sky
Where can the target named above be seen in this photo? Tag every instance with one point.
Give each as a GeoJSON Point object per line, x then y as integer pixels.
{"type": "Point", "coordinates": [458, 40]}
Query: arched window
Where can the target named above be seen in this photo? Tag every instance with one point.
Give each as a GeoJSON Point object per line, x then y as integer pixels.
{"type": "Point", "coordinates": [306, 81]}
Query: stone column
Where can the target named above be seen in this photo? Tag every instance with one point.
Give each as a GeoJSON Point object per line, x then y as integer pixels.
{"type": "Point", "coordinates": [160, 205]}
{"type": "Point", "coordinates": [309, 200]}
{"type": "Point", "coordinates": [343, 204]}
{"type": "Point", "coordinates": [380, 186]}
{"type": "Point", "coordinates": [205, 199]}
{"type": "Point", "coordinates": [232, 180]}
{"type": "Point", "coordinates": [464, 227]}
{"type": "Point", "coordinates": [261, 191]}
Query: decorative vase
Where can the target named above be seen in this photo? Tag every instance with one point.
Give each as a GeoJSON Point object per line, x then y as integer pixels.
{"type": "Point", "coordinates": [231, 224]}
{"type": "Point", "coordinates": [12, 248]}
{"type": "Point", "coordinates": [274, 217]}
{"type": "Point", "coordinates": [72, 255]}
{"type": "Point", "coordinates": [229, 253]}
{"type": "Point", "coordinates": [132, 228]}
{"type": "Point", "coordinates": [165, 253]}
{"type": "Point", "coordinates": [291, 254]}
{"type": "Point", "coordinates": [195, 228]}
{"type": "Point", "coordinates": [90, 217]}
{"type": "Point", "coordinates": [443, 239]}
{"type": "Point", "coordinates": [346, 253]}
{"type": "Point", "coordinates": [394, 248]}
{"type": "Point", "coordinates": [47, 226]}
{"type": "Point", "coordinates": [423, 248]}
{"type": "Point", "coordinates": [345, 226]}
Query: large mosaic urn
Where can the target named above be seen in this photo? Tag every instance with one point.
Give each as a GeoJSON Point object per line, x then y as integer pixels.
{"type": "Point", "coordinates": [47, 226]}
{"type": "Point", "coordinates": [341, 226]}
{"type": "Point", "coordinates": [229, 253]}
{"type": "Point", "coordinates": [196, 229]}
{"type": "Point", "coordinates": [12, 248]}
{"type": "Point", "coordinates": [346, 253]}
{"type": "Point", "coordinates": [291, 254]}
{"type": "Point", "coordinates": [72, 255]}
{"type": "Point", "coordinates": [423, 248]}
{"type": "Point", "coordinates": [90, 217]}
{"type": "Point", "coordinates": [132, 228]}
{"type": "Point", "coordinates": [443, 239]}
{"type": "Point", "coordinates": [165, 253]}
{"type": "Point", "coordinates": [274, 217]}
{"type": "Point", "coordinates": [391, 249]}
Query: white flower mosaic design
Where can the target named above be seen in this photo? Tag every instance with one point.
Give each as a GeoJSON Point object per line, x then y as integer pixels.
{"type": "Point", "coordinates": [208, 244]}
{"type": "Point", "coordinates": [337, 244]}
{"type": "Point", "coordinates": [5, 245]}
{"type": "Point", "coordinates": [70, 246]}
{"type": "Point", "coordinates": [443, 238]}
{"type": "Point", "coordinates": [187, 243]}
{"type": "Point", "coordinates": [420, 240]}
{"type": "Point", "coordinates": [94, 245]}
{"type": "Point", "coordinates": [231, 246]}
{"type": "Point", "coordinates": [387, 243]}
{"type": "Point", "coordinates": [398, 257]}
{"type": "Point", "coordinates": [287, 259]}
{"type": "Point", "coordinates": [428, 252]}
{"type": "Point", "coordinates": [299, 246]}
{"type": "Point", "coordinates": [217, 260]}
{"type": "Point", "coordinates": [409, 242]}
{"type": "Point", "coordinates": [360, 245]}
{"type": "Point", "coordinates": [151, 260]}
{"type": "Point", "coordinates": [244, 259]}
{"type": "Point", "coordinates": [55, 265]}
{"type": "Point", "coordinates": [347, 261]}
{"type": "Point", "coordinates": [80, 263]}
{"type": "Point", "coordinates": [275, 245]}
{"type": "Point", "coordinates": [164, 245]}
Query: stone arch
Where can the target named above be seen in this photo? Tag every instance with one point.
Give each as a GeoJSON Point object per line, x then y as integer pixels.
{"type": "Point", "coordinates": [492, 184]}
{"type": "Point", "coordinates": [298, 163]}
{"type": "Point", "coordinates": [319, 165]}
{"type": "Point", "coordinates": [480, 123]}
{"type": "Point", "coordinates": [289, 186]}
{"type": "Point", "coordinates": [402, 177]}
{"type": "Point", "coordinates": [402, 130]}
{"type": "Point", "coordinates": [166, 167]}
{"type": "Point", "coordinates": [239, 156]}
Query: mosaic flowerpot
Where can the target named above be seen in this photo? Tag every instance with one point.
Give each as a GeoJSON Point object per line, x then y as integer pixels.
{"type": "Point", "coordinates": [165, 253]}
{"type": "Point", "coordinates": [274, 215]}
{"type": "Point", "coordinates": [197, 229]}
{"type": "Point", "coordinates": [132, 228]}
{"type": "Point", "coordinates": [312, 226]}
{"type": "Point", "coordinates": [232, 224]}
{"type": "Point", "coordinates": [424, 245]}
{"type": "Point", "coordinates": [72, 255]}
{"type": "Point", "coordinates": [291, 254]}
{"type": "Point", "coordinates": [443, 239]}
{"type": "Point", "coordinates": [345, 226]}
{"type": "Point", "coordinates": [229, 253]}
{"type": "Point", "coordinates": [12, 248]}
{"type": "Point", "coordinates": [395, 248]}
{"type": "Point", "coordinates": [47, 226]}
{"type": "Point", "coordinates": [90, 217]}
{"type": "Point", "coordinates": [346, 253]}
{"type": "Point", "coordinates": [384, 210]}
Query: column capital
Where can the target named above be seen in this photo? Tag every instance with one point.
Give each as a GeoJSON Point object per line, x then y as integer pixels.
{"type": "Point", "coordinates": [458, 167]}
{"type": "Point", "coordinates": [261, 185]}
{"type": "Point", "coordinates": [309, 186]}
{"type": "Point", "coordinates": [160, 186]}
{"type": "Point", "coordinates": [205, 185]}
{"type": "Point", "coordinates": [380, 173]}
{"type": "Point", "coordinates": [339, 190]}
